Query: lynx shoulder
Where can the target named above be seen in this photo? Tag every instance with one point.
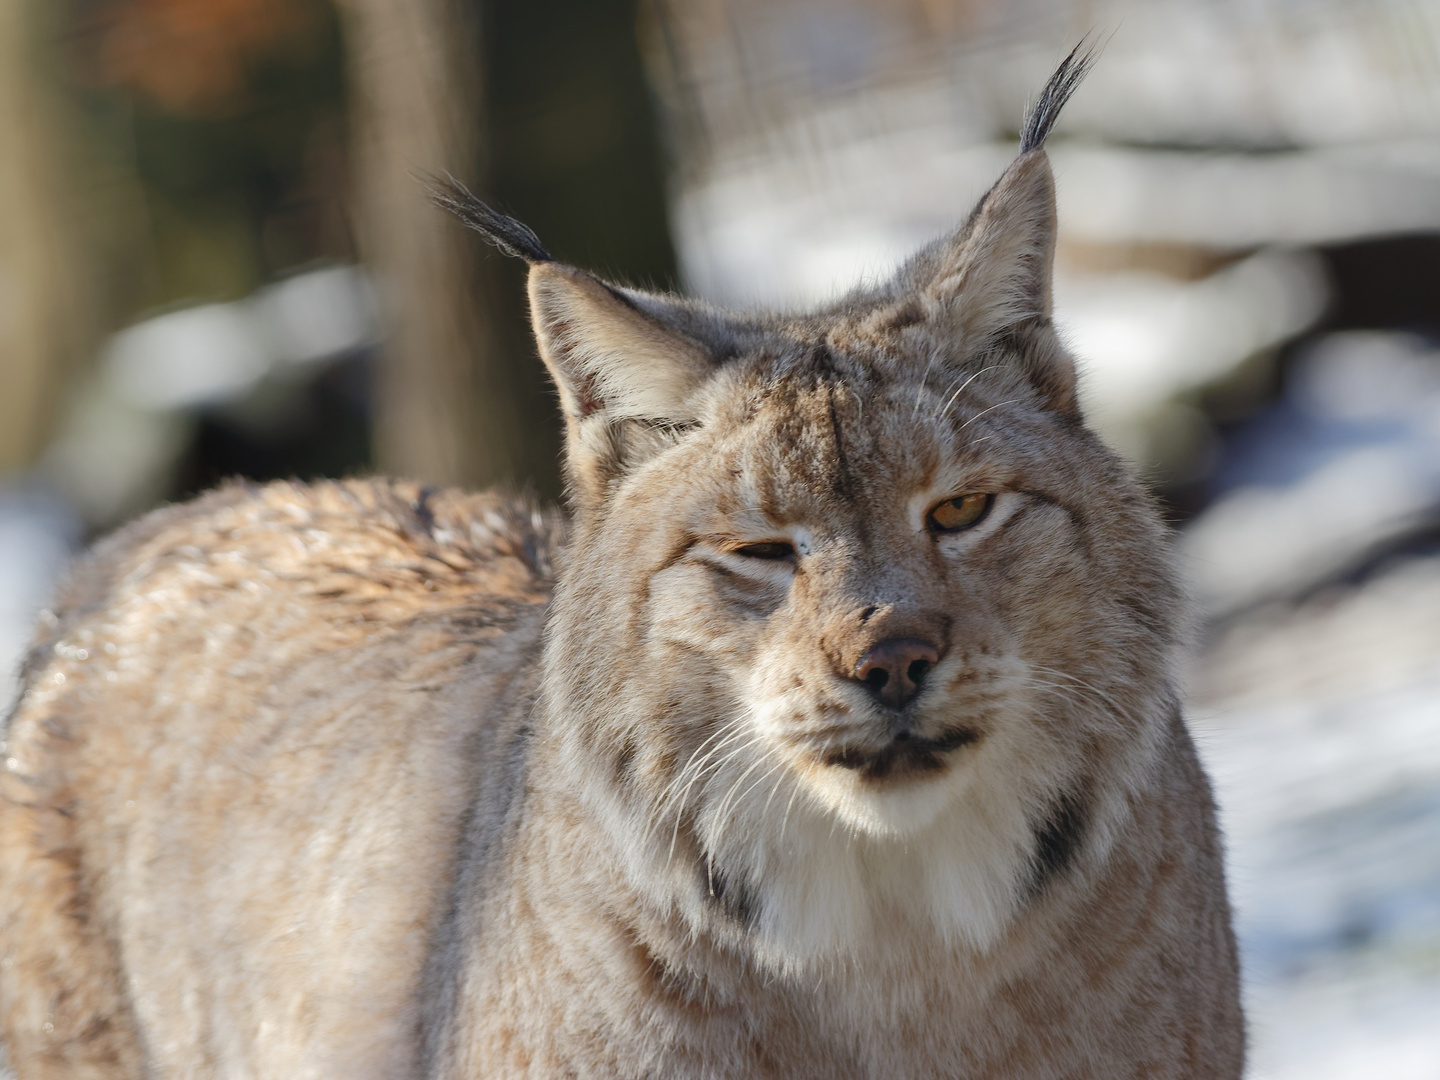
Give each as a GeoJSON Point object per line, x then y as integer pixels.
{"type": "Point", "coordinates": [260, 708]}
{"type": "Point", "coordinates": [835, 734]}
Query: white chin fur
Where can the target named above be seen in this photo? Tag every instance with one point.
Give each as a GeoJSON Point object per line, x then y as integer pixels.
{"type": "Point", "coordinates": [896, 810]}
{"type": "Point", "coordinates": [837, 872]}
{"type": "Point", "coordinates": [824, 891]}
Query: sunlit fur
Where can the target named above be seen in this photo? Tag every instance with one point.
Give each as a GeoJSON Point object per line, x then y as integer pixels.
{"type": "Point", "coordinates": [1057, 673]}
{"type": "Point", "coordinates": [364, 780]}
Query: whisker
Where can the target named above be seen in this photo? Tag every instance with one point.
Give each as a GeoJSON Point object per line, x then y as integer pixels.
{"type": "Point", "coordinates": [982, 412]}
{"type": "Point", "coordinates": [695, 766]}
{"type": "Point", "coordinates": [946, 407]}
{"type": "Point", "coordinates": [714, 844]}
{"type": "Point", "coordinates": [773, 788]}
{"type": "Point", "coordinates": [680, 808]}
{"type": "Point", "coordinates": [785, 821]}
{"type": "Point", "coordinates": [709, 764]}
{"type": "Point", "coordinates": [1075, 684]}
{"type": "Point", "coordinates": [716, 759]}
{"type": "Point", "coordinates": [725, 802]}
{"type": "Point", "coordinates": [925, 375]}
{"type": "Point", "coordinates": [725, 822]}
{"type": "Point", "coordinates": [698, 755]}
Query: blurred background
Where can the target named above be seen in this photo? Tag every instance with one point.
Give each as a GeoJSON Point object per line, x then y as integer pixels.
{"type": "Point", "coordinates": [216, 259]}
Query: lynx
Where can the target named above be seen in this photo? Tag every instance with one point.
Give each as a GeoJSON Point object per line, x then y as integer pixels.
{"type": "Point", "coordinates": [835, 734]}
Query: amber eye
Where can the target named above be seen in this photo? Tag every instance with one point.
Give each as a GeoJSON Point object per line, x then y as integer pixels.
{"type": "Point", "coordinates": [961, 512]}
{"type": "Point", "coordinates": [769, 549]}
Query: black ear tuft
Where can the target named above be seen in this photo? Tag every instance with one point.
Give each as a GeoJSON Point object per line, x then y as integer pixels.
{"type": "Point", "coordinates": [512, 237]}
{"type": "Point", "coordinates": [1041, 116]}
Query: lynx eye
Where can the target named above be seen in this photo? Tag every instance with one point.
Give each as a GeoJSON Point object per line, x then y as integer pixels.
{"type": "Point", "coordinates": [959, 513]}
{"type": "Point", "coordinates": [768, 549]}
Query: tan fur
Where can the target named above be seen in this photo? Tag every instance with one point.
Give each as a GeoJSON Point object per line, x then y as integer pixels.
{"type": "Point", "coordinates": [263, 715]}
{"type": "Point", "coordinates": [338, 781]}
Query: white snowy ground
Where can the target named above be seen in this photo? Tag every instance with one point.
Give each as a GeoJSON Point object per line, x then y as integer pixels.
{"type": "Point", "coordinates": [37, 532]}
{"type": "Point", "coordinates": [1321, 727]}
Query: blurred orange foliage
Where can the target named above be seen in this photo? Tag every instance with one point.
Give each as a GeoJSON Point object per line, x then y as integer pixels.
{"type": "Point", "coordinates": [190, 56]}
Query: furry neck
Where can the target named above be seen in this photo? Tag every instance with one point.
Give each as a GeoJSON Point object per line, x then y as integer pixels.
{"type": "Point", "coordinates": [759, 868]}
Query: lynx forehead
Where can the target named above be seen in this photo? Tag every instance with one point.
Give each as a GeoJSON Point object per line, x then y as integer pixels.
{"type": "Point", "coordinates": [834, 735]}
{"type": "Point", "coordinates": [877, 554]}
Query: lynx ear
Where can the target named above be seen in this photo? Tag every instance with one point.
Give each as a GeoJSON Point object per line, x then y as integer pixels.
{"type": "Point", "coordinates": [608, 356]}
{"type": "Point", "coordinates": [625, 377]}
{"type": "Point", "coordinates": [992, 282]}
{"type": "Point", "coordinates": [625, 369]}
{"type": "Point", "coordinates": [994, 277]}
{"type": "Point", "coordinates": [992, 285]}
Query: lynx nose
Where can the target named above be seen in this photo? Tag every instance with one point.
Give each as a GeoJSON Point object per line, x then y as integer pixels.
{"type": "Point", "coordinates": [893, 670]}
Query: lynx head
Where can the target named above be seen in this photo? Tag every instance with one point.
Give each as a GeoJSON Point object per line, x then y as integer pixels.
{"type": "Point", "coordinates": [860, 627]}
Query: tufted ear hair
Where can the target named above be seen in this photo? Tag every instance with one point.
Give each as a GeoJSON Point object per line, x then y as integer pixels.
{"type": "Point", "coordinates": [991, 283]}
{"type": "Point", "coordinates": [608, 355]}
{"type": "Point", "coordinates": [995, 275]}
{"type": "Point", "coordinates": [625, 373]}
{"type": "Point", "coordinates": [626, 363]}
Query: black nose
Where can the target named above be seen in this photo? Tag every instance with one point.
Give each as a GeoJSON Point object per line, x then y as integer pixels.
{"type": "Point", "coordinates": [894, 670]}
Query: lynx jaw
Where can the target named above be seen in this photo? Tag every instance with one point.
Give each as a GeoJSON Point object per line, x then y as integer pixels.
{"type": "Point", "coordinates": [903, 757]}
{"type": "Point", "coordinates": [899, 806]}
{"type": "Point", "coordinates": [891, 790]}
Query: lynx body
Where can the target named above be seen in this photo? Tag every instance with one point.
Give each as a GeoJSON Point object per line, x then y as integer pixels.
{"type": "Point", "coordinates": [838, 737]}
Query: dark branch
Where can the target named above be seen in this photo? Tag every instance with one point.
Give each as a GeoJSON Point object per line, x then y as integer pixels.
{"type": "Point", "coordinates": [1041, 116]}
{"type": "Point", "coordinates": [512, 237]}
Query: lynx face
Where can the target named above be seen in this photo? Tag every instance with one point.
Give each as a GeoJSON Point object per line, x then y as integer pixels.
{"type": "Point", "coordinates": [862, 632]}
{"type": "Point", "coordinates": [843, 707]}
{"type": "Point", "coordinates": [872, 651]}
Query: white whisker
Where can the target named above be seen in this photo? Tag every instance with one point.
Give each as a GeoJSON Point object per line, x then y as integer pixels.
{"type": "Point", "coordinates": [961, 389]}
{"type": "Point", "coordinates": [925, 375]}
{"type": "Point", "coordinates": [982, 412]}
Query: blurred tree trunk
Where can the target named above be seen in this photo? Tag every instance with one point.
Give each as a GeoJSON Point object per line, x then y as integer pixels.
{"type": "Point", "coordinates": [574, 151]}
{"type": "Point", "coordinates": [551, 116]}
{"type": "Point", "coordinates": [442, 392]}
{"type": "Point", "coordinates": [45, 324]}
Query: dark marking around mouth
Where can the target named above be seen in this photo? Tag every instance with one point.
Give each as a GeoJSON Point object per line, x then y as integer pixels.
{"type": "Point", "coordinates": [1058, 839]}
{"type": "Point", "coordinates": [905, 755]}
{"type": "Point", "coordinates": [731, 897]}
